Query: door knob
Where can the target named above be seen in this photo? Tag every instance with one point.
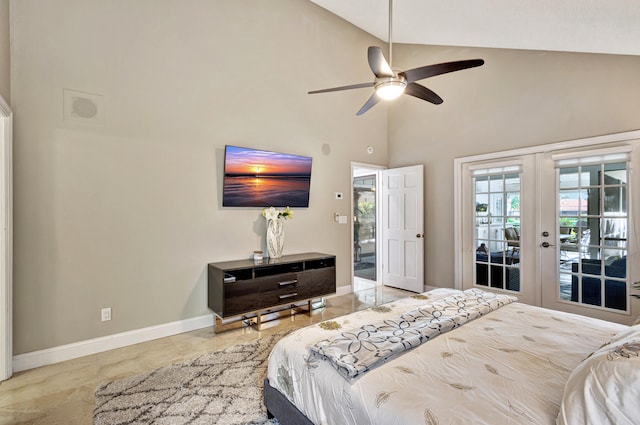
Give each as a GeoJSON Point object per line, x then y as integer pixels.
{"type": "Point", "coordinates": [419, 235]}
{"type": "Point", "coordinates": [545, 234]}
{"type": "Point", "coordinates": [546, 244]}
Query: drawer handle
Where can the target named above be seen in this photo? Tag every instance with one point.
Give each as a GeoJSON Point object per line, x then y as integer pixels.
{"type": "Point", "coordinates": [282, 297]}
{"type": "Point", "coordinates": [288, 282]}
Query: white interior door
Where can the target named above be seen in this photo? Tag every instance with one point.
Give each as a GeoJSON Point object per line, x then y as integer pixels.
{"type": "Point", "coordinates": [6, 243]}
{"type": "Point", "coordinates": [403, 228]}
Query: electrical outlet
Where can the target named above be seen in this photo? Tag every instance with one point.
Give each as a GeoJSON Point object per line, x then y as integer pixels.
{"type": "Point", "coordinates": [106, 314]}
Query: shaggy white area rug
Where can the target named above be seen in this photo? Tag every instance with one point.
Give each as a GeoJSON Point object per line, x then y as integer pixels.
{"type": "Point", "coordinates": [224, 388]}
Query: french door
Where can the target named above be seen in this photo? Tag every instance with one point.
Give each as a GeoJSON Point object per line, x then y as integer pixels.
{"type": "Point", "coordinates": [587, 259]}
{"type": "Point", "coordinates": [499, 226]}
{"type": "Point", "coordinates": [552, 227]}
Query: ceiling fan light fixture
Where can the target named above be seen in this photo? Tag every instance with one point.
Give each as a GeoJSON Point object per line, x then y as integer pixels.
{"type": "Point", "coordinates": [390, 90]}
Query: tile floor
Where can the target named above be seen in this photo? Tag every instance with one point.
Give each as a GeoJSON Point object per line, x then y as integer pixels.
{"type": "Point", "coordinates": [62, 394]}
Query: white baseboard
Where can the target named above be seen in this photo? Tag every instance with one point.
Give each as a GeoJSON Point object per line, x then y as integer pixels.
{"type": "Point", "coordinates": [97, 345]}
{"type": "Point", "coordinates": [342, 290]}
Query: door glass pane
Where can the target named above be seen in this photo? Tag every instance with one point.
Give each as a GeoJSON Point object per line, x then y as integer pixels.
{"type": "Point", "coordinates": [590, 175]}
{"type": "Point", "coordinates": [593, 235]}
{"type": "Point", "coordinates": [512, 182]}
{"type": "Point", "coordinates": [496, 205]}
{"type": "Point", "coordinates": [497, 231]}
{"type": "Point", "coordinates": [569, 202]}
{"type": "Point", "coordinates": [614, 174]}
{"type": "Point", "coordinates": [615, 199]}
{"type": "Point", "coordinates": [482, 185]}
{"type": "Point", "coordinates": [364, 227]}
{"type": "Point", "coordinates": [482, 204]}
{"type": "Point", "coordinates": [590, 202]}
{"type": "Point", "coordinates": [496, 186]}
{"type": "Point", "coordinates": [568, 177]}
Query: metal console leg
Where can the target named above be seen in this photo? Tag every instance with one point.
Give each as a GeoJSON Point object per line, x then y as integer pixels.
{"type": "Point", "coordinates": [258, 319]}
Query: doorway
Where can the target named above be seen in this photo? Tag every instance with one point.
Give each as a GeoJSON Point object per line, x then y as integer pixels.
{"type": "Point", "coordinates": [388, 227]}
{"type": "Point", "coordinates": [365, 198]}
{"type": "Point", "coordinates": [364, 226]}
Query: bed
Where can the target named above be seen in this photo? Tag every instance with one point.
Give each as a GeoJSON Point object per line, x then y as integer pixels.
{"type": "Point", "coordinates": [513, 364]}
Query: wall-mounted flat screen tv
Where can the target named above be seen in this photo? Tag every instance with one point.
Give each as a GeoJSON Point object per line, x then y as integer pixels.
{"type": "Point", "coordinates": [257, 178]}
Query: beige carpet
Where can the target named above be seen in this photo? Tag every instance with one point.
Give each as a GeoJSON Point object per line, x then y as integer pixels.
{"type": "Point", "coordinates": [224, 387]}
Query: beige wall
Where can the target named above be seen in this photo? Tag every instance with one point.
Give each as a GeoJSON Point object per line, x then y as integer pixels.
{"type": "Point", "coordinates": [517, 99]}
{"type": "Point", "coordinates": [5, 56]}
{"type": "Point", "coordinates": [126, 213]}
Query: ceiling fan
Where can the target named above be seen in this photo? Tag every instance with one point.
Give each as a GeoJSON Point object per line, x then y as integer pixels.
{"type": "Point", "coordinates": [389, 84]}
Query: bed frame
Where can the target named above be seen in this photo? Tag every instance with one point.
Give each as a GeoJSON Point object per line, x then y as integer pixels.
{"type": "Point", "coordinates": [280, 407]}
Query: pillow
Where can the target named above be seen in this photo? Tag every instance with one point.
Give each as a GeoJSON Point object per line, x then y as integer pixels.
{"type": "Point", "coordinates": [605, 387]}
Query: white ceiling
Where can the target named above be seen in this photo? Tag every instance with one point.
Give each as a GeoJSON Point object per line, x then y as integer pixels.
{"type": "Point", "coordinates": [592, 26]}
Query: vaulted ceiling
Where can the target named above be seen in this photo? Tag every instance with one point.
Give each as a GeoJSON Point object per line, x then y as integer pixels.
{"type": "Point", "coordinates": [591, 26]}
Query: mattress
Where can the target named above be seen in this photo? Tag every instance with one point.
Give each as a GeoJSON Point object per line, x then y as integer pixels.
{"type": "Point", "coordinates": [509, 366]}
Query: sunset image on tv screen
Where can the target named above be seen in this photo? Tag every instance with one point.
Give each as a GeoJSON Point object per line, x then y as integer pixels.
{"type": "Point", "coordinates": [257, 178]}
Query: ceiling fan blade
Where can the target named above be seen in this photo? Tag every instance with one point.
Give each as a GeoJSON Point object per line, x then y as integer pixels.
{"type": "Point", "coordinates": [352, 86]}
{"type": "Point", "coordinates": [378, 63]}
{"type": "Point", "coordinates": [421, 92]}
{"type": "Point", "coordinates": [369, 104]}
{"type": "Point", "coordinates": [422, 72]}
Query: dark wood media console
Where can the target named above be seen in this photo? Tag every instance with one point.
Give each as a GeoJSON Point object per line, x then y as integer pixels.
{"type": "Point", "coordinates": [246, 290]}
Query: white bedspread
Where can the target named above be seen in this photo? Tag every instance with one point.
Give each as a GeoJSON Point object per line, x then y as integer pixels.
{"type": "Point", "coordinates": [508, 367]}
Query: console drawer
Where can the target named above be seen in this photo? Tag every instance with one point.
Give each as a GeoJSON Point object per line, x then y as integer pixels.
{"type": "Point", "coordinates": [282, 296]}
{"type": "Point", "coordinates": [240, 297]}
{"type": "Point", "coordinates": [281, 289]}
{"type": "Point", "coordinates": [276, 283]}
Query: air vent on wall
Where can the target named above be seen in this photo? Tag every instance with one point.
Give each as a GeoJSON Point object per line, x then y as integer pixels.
{"type": "Point", "coordinates": [82, 108]}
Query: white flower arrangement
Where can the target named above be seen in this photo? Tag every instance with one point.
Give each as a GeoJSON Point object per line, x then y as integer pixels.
{"type": "Point", "coordinates": [273, 214]}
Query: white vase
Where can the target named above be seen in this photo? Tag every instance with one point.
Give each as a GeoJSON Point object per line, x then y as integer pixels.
{"type": "Point", "coordinates": [275, 237]}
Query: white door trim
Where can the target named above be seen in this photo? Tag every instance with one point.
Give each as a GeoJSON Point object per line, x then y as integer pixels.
{"type": "Point", "coordinates": [6, 241]}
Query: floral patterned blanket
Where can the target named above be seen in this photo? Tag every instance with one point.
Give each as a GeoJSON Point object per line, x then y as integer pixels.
{"type": "Point", "coordinates": [356, 351]}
